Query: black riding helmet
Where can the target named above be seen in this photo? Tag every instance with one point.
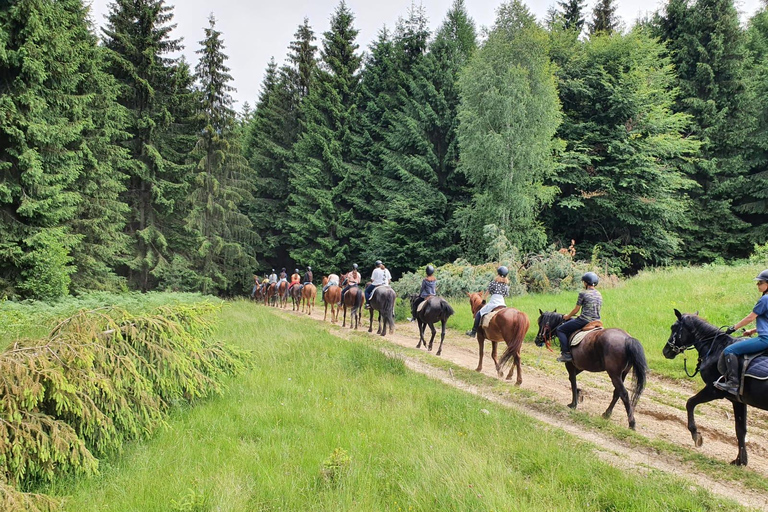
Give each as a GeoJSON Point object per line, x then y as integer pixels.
{"type": "Point", "coordinates": [502, 271]}
{"type": "Point", "coordinates": [430, 270]}
{"type": "Point", "coordinates": [590, 278]}
{"type": "Point", "coordinates": [762, 276]}
{"type": "Point", "coordinates": [378, 263]}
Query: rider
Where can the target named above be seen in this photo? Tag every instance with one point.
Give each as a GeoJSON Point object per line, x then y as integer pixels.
{"type": "Point", "coordinates": [428, 285]}
{"type": "Point", "coordinates": [295, 278]}
{"type": "Point", "coordinates": [273, 277]}
{"type": "Point", "coordinates": [256, 284]}
{"type": "Point", "coordinates": [590, 301]}
{"type": "Point", "coordinates": [308, 276]}
{"type": "Point", "coordinates": [333, 280]}
{"type": "Point", "coordinates": [284, 275]}
{"type": "Point", "coordinates": [378, 278]}
{"type": "Point", "coordinates": [498, 289]}
{"type": "Point", "coordinates": [353, 278]}
{"type": "Point", "coordinates": [730, 381]}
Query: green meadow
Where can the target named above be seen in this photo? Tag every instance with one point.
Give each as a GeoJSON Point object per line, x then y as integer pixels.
{"type": "Point", "coordinates": [327, 424]}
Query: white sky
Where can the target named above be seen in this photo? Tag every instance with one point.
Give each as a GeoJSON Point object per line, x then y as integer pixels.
{"type": "Point", "coordinates": [256, 30]}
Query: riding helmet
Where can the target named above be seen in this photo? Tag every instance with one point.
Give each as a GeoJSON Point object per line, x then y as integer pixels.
{"type": "Point", "coordinates": [590, 278]}
{"type": "Point", "coordinates": [273, 271]}
{"type": "Point", "coordinates": [295, 271]}
{"type": "Point", "coordinates": [378, 263]}
{"type": "Point", "coordinates": [430, 270]}
{"type": "Point", "coordinates": [503, 271]}
{"type": "Point", "coordinates": [762, 276]}
{"type": "Point", "coordinates": [354, 266]}
{"type": "Point", "coordinates": [309, 268]}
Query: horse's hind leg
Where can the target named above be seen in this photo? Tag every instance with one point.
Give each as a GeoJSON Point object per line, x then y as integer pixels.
{"type": "Point", "coordinates": [432, 339]}
{"type": "Point", "coordinates": [442, 337]}
{"type": "Point", "coordinates": [422, 326]}
{"type": "Point", "coordinates": [516, 366]}
{"type": "Point", "coordinates": [494, 356]}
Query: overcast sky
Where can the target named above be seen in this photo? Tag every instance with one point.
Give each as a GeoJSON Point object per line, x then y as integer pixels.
{"type": "Point", "coordinates": [256, 30]}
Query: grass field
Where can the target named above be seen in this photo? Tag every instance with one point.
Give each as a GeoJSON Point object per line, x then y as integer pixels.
{"type": "Point", "coordinates": [643, 306]}
{"type": "Point", "coordinates": [327, 424]}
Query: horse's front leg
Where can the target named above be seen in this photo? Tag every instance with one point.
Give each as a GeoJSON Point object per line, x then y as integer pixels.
{"type": "Point", "coordinates": [481, 344]}
{"type": "Point", "coordinates": [432, 339]}
{"type": "Point", "coordinates": [378, 331]}
{"type": "Point", "coordinates": [740, 418]}
{"type": "Point", "coordinates": [422, 326]}
{"type": "Point", "coordinates": [370, 324]}
{"type": "Point", "coordinates": [575, 391]}
{"type": "Point", "coordinates": [495, 345]}
{"type": "Point", "coordinates": [707, 394]}
{"type": "Point", "coordinates": [442, 337]}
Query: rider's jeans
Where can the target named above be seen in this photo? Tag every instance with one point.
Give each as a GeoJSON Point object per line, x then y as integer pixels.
{"type": "Point", "coordinates": [748, 346]}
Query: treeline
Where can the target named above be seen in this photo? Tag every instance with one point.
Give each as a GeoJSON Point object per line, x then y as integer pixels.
{"type": "Point", "coordinates": [125, 168]}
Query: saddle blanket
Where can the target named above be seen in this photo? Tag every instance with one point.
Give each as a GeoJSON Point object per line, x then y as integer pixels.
{"type": "Point", "coordinates": [758, 368]}
{"type": "Point", "coordinates": [380, 286]}
{"type": "Point", "coordinates": [580, 335]}
{"type": "Point", "coordinates": [421, 306]}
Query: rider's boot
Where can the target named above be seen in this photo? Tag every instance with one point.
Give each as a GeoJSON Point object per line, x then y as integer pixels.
{"type": "Point", "coordinates": [730, 381]}
{"type": "Point", "coordinates": [471, 333]}
{"type": "Point", "coordinates": [565, 355]}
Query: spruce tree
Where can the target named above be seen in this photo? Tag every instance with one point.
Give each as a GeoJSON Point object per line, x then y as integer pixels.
{"type": "Point", "coordinates": [137, 35]}
{"type": "Point", "coordinates": [572, 12]}
{"type": "Point", "coordinates": [321, 222]}
{"type": "Point", "coordinates": [706, 46]}
{"type": "Point", "coordinates": [604, 18]}
{"type": "Point", "coordinates": [219, 186]}
{"type": "Point", "coordinates": [44, 116]}
{"type": "Point", "coordinates": [508, 117]}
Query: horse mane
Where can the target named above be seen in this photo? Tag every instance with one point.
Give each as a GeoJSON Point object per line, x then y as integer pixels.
{"type": "Point", "coordinates": [704, 330]}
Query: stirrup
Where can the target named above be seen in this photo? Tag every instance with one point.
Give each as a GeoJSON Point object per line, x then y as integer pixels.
{"type": "Point", "coordinates": [726, 385]}
{"type": "Point", "coordinates": [565, 357]}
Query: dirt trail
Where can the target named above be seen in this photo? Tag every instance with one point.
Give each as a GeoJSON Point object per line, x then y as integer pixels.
{"type": "Point", "coordinates": [660, 414]}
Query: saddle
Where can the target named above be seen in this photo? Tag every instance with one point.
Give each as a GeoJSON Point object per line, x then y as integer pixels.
{"type": "Point", "coordinates": [423, 303]}
{"type": "Point", "coordinates": [491, 333]}
{"type": "Point", "coordinates": [754, 366]}
{"type": "Point", "coordinates": [579, 335]}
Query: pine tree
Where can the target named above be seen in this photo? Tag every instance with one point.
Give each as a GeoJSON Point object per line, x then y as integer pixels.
{"type": "Point", "coordinates": [508, 118]}
{"type": "Point", "coordinates": [44, 116]}
{"type": "Point", "coordinates": [320, 220]}
{"type": "Point", "coordinates": [706, 45]}
{"type": "Point", "coordinates": [220, 260]}
{"type": "Point", "coordinates": [137, 35]}
{"type": "Point", "coordinates": [604, 18]}
{"type": "Point", "coordinates": [572, 12]}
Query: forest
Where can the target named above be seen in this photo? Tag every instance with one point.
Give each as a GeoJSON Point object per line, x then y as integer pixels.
{"type": "Point", "coordinates": [126, 168]}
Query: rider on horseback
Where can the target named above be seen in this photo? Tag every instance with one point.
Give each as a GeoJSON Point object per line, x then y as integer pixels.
{"type": "Point", "coordinates": [273, 277]}
{"type": "Point", "coordinates": [283, 275]}
{"type": "Point", "coordinates": [378, 278]}
{"type": "Point", "coordinates": [428, 285]}
{"type": "Point", "coordinates": [308, 276]}
{"type": "Point", "coordinates": [730, 381]}
{"type": "Point", "coordinates": [590, 301]}
{"type": "Point", "coordinates": [352, 279]}
{"type": "Point", "coordinates": [498, 289]}
{"type": "Point", "coordinates": [295, 279]}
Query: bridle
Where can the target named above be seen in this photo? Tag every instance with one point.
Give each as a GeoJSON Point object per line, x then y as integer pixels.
{"type": "Point", "coordinates": [681, 349]}
{"type": "Point", "coordinates": [545, 333]}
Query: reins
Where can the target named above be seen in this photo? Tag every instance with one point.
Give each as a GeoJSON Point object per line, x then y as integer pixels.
{"type": "Point", "coordinates": [697, 343]}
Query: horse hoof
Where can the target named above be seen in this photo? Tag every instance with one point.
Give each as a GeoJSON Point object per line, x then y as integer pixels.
{"type": "Point", "coordinates": [438, 353]}
{"type": "Point", "coordinates": [632, 425]}
{"type": "Point", "coordinates": [606, 415]}
{"type": "Point", "coordinates": [571, 405]}
{"type": "Point", "coordinates": [698, 440]}
{"type": "Point", "coordinates": [479, 369]}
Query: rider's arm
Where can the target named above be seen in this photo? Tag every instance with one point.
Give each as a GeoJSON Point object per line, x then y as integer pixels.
{"type": "Point", "coordinates": [573, 312]}
{"type": "Point", "coordinates": [745, 321]}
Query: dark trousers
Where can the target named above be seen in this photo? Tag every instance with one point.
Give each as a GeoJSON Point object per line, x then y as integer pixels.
{"type": "Point", "coordinates": [368, 291]}
{"type": "Point", "coordinates": [344, 291]}
{"type": "Point", "coordinates": [566, 329]}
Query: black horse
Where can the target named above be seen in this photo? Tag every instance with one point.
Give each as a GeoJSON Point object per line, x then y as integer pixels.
{"type": "Point", "coordinates": [690, 330]}
{"type": "Point", "coordinates": [602, 350]}
{"type": "Point", "coordinates": [436, 309]}
{"type": "Point", "coordinates": [383, 301]}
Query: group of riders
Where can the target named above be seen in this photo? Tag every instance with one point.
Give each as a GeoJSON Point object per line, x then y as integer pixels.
{"type": "Point", "coordinates": [589, 303]}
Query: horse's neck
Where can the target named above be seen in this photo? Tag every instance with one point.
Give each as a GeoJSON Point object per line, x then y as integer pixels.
{"type": "Point", "coordinates": [709, 341]}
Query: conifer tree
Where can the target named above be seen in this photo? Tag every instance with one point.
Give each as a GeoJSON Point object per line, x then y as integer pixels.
{"type": "Point", "coordinates": [219, 186]}
{"type": "Point", "coordinates": [706, 45]}
{"type": "Point", "coordinates": [137, 35]}
{"type": "Point", "coordinates": [572, 12]}
{"type": "Point", "coordinates": [42, 126]}
{"type": "Point", "coordinates": [320, 220]}
{"type": "Point", "coordinates": [604, 18]}
{"type": "Point", "coordinates": [508, 117]}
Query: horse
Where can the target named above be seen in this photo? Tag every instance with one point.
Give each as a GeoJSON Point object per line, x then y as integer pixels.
{"type": "Point", "coordinates": [331, 297]}
{"type": "Point", "coordinates": [295, 293]}
{"type": "Point", "coordinates": [689, 331]}
{"type": "Point", "coordinates": [383, 301]}
{"type": "Point", "coordinates": [512, 325]}
{"type": "Point", "coordinates": [308, 296]}
{"type": "Point", "coordinates": [436, 309]}
{"type": "Point", "coordinates": [269, 293]}
{"type": "Point", "coordinates": [282, 293]}
{"type": "Point", "coordinates": [353, 300]}
{"type": "Point", "coordinates": [601, 350]}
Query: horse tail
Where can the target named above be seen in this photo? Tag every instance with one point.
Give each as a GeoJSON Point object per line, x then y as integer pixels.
{"type": "Point", "coordinates": [388, 307]}
{"type": "Point", "coordinates": [636, 358]}
{"type": "Point", "coordinates": [358, 298]}
{"type": "Point", "coordinates": [447, 310]}
{"type": "Point", "coordinates": [519, 330]}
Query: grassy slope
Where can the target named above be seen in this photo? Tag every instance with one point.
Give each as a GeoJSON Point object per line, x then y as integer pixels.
{"type": "Point", "coordinates": [643, 306]}
{"type": "Point", "coordinates": [412, 443]}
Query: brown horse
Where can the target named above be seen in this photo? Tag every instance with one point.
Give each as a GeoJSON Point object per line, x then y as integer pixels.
{"type": "Point", "coordinates": [602, 350]}
{"type": "Point", "coordinates": [331, 297]}
{"type": "Point", "coordinates": [308, 296]}
{"type": "Point", "coordinates": [269, 293]}
{"type": "Point", "coordinates": [295, 293]}
{"type": "Point", "coordinates": [282, 294]}
{"type": "Point", "coordinates": [512, 325]}
{"type": "Point", "coordinates": [353, 300]}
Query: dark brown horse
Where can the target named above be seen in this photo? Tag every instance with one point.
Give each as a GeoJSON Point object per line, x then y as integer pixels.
{"type": "Point", "coordinates": [383, 301]}
{"type": "Point", "coordinates": [692, 331]}
{"type": "Point", "coordinates": [270, 293]}
{"type": "Point", "coordinates": [435, 309]}
{"type": "Point", "coordinates": [353, 300]}
{"type": "Point", "coordinates": [308, 296]}
{"type": "Point", "coordinates": [602, 350]}
{"type": "Point", "coordinates": [511, 326]}
{"type": "Point", "coordinates": [295, 293]}
{"type": "Point", "coordinates": [331, 297]}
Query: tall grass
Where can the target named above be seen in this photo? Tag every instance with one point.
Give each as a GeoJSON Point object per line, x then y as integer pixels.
{"type": "Point", "coordinates": [328, 424]}
{"type": "Point", "coordinates": [643, 306]}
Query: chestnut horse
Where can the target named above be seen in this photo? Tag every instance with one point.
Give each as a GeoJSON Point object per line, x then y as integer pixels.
{"type": "Point", "coordinates": [269, 293]}
{"type": "Point", "coordinates": [308, 296]}
{"type": "Point", "coordinates": [282, 293]}
{"type": "Point", "coordinates": [353, 300]}
{"type": "Point", "coordinates": [331, 297]}
{"type": "Point", "coordinates": [602, 350]}
{"type": "Point", "coordinates": [512, 325]}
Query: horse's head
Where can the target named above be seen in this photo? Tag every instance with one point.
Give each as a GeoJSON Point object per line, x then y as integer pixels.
{"type": "Point", "coordinates": [413, 298]}
{"type": "Point", "coordinates": [476, 301]}
{"type": "Point", "coordinates": [325, 281]}
{"type": "Point", "coordinates": [690, 330]}
{"type": "Point", "coordinates": [548, 322]}
{"type": "Point", "coordinates": [682, 336]}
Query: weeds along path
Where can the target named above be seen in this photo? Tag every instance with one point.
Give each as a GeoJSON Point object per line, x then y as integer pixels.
{"type": "Point", "coordinates": [660, 413]}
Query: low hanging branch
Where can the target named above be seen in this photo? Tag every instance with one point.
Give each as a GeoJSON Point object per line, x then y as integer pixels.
{"type": "Point", "coordinates": [99, 379]}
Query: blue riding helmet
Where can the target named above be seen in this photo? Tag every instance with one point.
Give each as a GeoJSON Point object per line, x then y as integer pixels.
{"type": "Point", "coordinates": [762, 276]}
{"type": "Point", "coordinates": [590, 278]}
{"type": "Point", "coordinates": [503, 271]}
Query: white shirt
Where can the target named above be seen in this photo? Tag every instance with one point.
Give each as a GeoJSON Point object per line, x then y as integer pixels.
{"type": "Point", "coordinates": [378, 277]}
{"type": "Point", "coordinates": [387, 276]}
